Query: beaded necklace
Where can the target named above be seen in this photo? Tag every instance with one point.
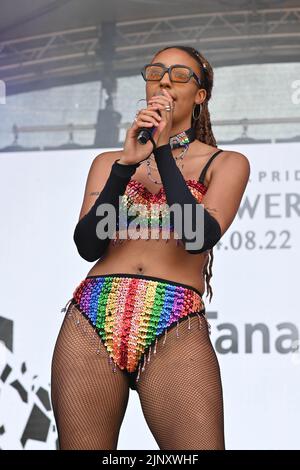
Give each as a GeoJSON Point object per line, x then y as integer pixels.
{"type": "Point", "coordinates": [182, 139]}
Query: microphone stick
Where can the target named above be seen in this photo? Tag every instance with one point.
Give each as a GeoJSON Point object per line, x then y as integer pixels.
{"type": "Point", "coordinates": [146, 133]}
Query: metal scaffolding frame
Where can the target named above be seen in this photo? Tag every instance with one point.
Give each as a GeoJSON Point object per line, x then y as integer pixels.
{"type": "Point", "coordinates": [75, 55]}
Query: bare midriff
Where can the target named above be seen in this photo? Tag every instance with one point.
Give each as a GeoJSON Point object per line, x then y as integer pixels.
{"type": "Point", "coordinates": [156, 258]}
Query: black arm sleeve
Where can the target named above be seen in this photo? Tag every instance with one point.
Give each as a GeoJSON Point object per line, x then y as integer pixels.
{"type": "Point", "coordinates": [89, 246]}
{"type": "Point", "coordinates": [178, 192]}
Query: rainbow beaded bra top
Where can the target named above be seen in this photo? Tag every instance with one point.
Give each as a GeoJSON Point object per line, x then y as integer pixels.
{"type": "Point", "coordinates": [153, 208]}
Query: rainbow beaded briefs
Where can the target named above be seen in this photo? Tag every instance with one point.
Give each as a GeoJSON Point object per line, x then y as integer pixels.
{"type": "Point", "coordinates": [130, 312]}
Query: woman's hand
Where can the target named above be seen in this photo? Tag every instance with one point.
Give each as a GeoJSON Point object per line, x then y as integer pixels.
{"type": "Point", "coordinates": [162, 136]}
{"type": "Point", "coordinates": [133, 151]}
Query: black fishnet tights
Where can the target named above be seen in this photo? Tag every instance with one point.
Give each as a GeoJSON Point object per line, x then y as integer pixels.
{"type": "Point", "coordinates": [180, 389]}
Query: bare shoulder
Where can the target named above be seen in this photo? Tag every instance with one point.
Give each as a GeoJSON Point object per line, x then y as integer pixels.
{"type": "Point", "coordinates": [237, 156]}
{"type": "Point", "coordinates": [237, 163]}
{"type": "Point", "coordinates": [231, 161]}
{"type": "Point", "coordinates": [100, 170]}
{"type": "Point", "coordinates": [226, 161]}
{"type": "Point", "coordinates": [106, 159]}
{"type": "Point", "coordinates": [97, 177]}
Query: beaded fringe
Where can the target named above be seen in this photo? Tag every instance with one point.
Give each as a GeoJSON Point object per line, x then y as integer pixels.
{"type": "Point", "coordinates": [119, 241]}
{"type": "Point", "coordinates": [144, 358]}
{"type": "Point", "coordinates": [155, 210]}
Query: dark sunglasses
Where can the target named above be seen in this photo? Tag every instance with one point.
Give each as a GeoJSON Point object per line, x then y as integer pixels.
{"type": "Point", "coordinates": [177, 73]}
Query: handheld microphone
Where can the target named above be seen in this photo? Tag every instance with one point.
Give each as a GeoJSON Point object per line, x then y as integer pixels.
{"type": "Point", "coordinates": [146, 132]}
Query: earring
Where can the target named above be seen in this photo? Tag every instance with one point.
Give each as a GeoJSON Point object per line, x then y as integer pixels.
{"type": "Point", "coordinates": [195, 118]}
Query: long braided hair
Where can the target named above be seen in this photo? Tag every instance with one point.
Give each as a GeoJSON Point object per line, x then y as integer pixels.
{"type": "Point", "coordinates": [203, 130]}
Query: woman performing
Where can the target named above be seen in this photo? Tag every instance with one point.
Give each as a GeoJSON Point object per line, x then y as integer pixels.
{"type": "Point", "coordinates": [138, 320]}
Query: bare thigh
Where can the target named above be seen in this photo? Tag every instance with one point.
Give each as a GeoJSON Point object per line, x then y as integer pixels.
{"type": "Point", "coordinates": [89, 399]}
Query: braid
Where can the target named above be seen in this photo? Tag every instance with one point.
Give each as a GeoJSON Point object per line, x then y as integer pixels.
{"type": "Point", "coordinates": [203, 130]}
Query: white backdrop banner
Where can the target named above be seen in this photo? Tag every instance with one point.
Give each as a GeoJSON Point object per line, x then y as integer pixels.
{"type": "Point", "coordinates": [254, 312]}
